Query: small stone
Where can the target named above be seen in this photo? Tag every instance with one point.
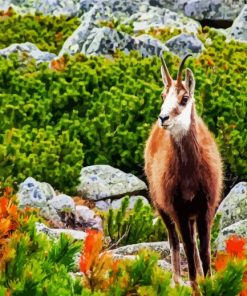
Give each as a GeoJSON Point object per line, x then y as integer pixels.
{"type": "Point", "coordinates": [55, 233]}
{"type": "Point", "coordinates": [63, 203]}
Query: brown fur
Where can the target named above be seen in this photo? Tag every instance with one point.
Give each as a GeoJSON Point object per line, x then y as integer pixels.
{"type": "Point", "coordinates": [185, 181]}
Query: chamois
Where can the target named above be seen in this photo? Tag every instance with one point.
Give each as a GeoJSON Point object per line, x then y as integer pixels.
{"type": "Point", "coordinates": [184, 172]}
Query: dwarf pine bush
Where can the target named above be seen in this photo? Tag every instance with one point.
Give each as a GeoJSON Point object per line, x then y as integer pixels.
{"type": "Point", "coordinates": [125, 226]}
{"type": "Point", "coordinates": [107, 106]}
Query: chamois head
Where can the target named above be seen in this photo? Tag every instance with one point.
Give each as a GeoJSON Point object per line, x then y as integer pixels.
{"type": "Point", "coordinates": [178, 99]}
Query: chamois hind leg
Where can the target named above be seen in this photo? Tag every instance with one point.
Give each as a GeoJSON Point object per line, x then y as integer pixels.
{"type": "Point", "coordinates": [203, 226]}
{"type": "Point", "coordinates": [174, 246]}
{"type": "Point", "coordinates": [189, 248]}
{"type": "Point", "coordinates": [198, 262]}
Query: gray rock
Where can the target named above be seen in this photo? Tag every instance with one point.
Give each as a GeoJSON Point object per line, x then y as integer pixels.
{"type": "Point", "coordinates": [203, 9]}
{"type": "Point", "coordinates": [105, 41]}
{"type": "Point", "coordinates": [234, 207]}
{"type": "Point", "coordinates": [87, 217]}
{"type": "Point", "coordinates": [212, 9]}
{"type": "Point", "coordinates": [103, 181]}
{"type": "Point", "coordinates": [239, 228]}
{"type": "Point", "coordinates": [184, 43]}
{"type": "Point", "coordinates": [160, 247]}
{"type": "Point", "coordinates": [63, 203]}
{"type": "Point", "coordinates": [155, 17]}
{"type": "Point", "coordinates": [30, 50]}
{"type": "Point", "coordinates": [116, 204]}
{"type": "Point", "coordinates": [35, 194]}
{"type": "Point", "coordinates": [103, 205]}
{"type": "Point", "coordinates": [91, 39]}
{"type": "Point", "coordinates": [239, 26]}
{"type": "Point", "coordinates": [52, 7]}
{"type": "Point", "coordinates": [55, 233]}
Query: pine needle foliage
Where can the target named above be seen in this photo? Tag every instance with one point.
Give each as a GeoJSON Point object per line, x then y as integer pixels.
{"type": "Point", "coordinates": [226, 283]}
{"type": "Point", "coordinates": [129, 226]}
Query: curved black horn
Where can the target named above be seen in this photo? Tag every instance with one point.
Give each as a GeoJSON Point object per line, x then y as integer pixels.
{"type": "Point", "coordinates": [179, 77]}
{"type": "Point", "coordinates": [168, 76]}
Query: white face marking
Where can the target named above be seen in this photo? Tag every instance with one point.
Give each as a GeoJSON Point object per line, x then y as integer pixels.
{"type": "Point", "coordinates": [181, 123]}
{"type": "Point", "coordinates": [169, 103]}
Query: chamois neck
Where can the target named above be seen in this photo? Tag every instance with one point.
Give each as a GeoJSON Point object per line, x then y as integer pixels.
{"type": "Point", "coordinates": [186, 148]}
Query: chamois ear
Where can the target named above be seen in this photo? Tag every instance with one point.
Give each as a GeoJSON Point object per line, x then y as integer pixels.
{"type": "Point", "coordinates": [189, 81]}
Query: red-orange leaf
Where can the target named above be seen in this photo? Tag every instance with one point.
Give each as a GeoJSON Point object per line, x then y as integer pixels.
{"type": "Point", "coordinates": [235, 246]}
{"type": "Point", "coordinates": [92, 248]}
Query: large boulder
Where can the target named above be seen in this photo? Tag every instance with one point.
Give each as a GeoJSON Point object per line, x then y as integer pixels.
{"type": "Point", "coordinates": [99, 182]}
{"type": "Point", "coordinates": [52, 7]}
{"type": "Point", "coordinates": [184, 43]}
{"type": "Point", "coordinates": [239, 229]}
{"type": "Point", "coordinates": [234, 207]}
{"type": "Point", "coordinates": [29, 50]}
{"type": "Point", "coordinates": [203, 9]}
{"type": "Point", "coordinates": [105, 41]}
{"type": "Point", "coordinates": [239, 26]}
{"type": "Point", "coordinates": [154, 17]}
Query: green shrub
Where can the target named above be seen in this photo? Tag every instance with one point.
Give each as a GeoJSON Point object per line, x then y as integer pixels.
{"type": "Point", "coordinates": [125, 226]}
{"type": "Point", "coordinates": [225, 283]}
{"type": "Point", "coordinates": [110, 105]}
{"type": "Point", "coordinates": [48, 154]}
{"type": "Point", "coordinates": [47, 32]}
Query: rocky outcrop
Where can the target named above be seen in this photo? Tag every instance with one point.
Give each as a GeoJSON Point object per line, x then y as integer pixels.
{"type": "Point", "coordinates": [100, 182]}
{"type": "Point", "coordinates": [29, 50]}
{"type": "Point", "coordinates": [91, 39]}
{"type": "Point", "coordinates": [60, 210]}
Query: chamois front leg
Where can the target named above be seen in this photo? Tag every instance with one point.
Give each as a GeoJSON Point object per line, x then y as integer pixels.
{"type": "Point", "coordinates": [204, 227]}
{"type": "Point", "coordinates": [189, 248]}
{"type": "Point", "coordinates": [199, 269]}
{"type": "Point", "coordinates": [174, 246]}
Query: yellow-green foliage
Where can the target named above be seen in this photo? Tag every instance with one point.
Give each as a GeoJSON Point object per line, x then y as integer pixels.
{"type": "Point", "coordinates": [125, 226]}
{"type": "Point", "coordinates": [108, 106]}
{"type": "Point", "coordinates": [47, 32]}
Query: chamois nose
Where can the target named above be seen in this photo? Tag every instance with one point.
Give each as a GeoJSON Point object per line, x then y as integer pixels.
{"type": "Point", "coordinates": [163, 118]}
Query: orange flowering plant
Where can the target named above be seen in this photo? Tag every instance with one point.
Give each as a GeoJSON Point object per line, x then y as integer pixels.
{"type": "Point", "coordinates": [11, 221]}
{"type": "Point", "coordinates": [98, 266]}
{"type": "Point", "coordinates": [235, 252]}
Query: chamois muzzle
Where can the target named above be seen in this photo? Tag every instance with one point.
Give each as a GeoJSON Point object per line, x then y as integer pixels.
{"type": "Point", "coordinates": [179, 77]}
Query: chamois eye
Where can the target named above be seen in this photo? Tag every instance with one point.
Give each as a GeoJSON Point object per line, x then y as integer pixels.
{"type": "Point", "coordinates": [184, 100]}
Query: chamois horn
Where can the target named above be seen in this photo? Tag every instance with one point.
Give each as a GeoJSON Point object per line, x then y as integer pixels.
{"type": "Point", "coordinates": [179, 77]}
{"type": "Point", "coordinates": [168, 76]}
